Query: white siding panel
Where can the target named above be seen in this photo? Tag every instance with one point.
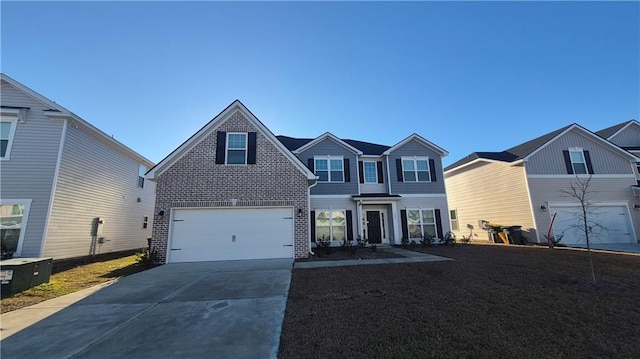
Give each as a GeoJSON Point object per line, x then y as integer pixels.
{"type": "Point", "coordinates": [97, 181]}
{"type": "Point", "coordinates": [28, 174]}
{"type": "Point", "coordinates": [544, 190]}
{"type": "Point", "coordinates": [493, 192]}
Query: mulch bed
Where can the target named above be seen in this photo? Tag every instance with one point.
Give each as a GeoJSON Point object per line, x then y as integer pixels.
{"type": "Point", "coordinates": [347, 253]}
{"type": "Point", "coordinates": [490, 302]}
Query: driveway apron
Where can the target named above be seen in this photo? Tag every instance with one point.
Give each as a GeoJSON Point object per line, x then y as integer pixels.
{"type": "Point", "coordinates": [224, 309]}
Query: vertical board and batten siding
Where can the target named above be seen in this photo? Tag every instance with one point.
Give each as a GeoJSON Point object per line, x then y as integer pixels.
{"type": "Point", "coordinates": [605, 159]}
{"type": "Point", "coordinates": [493, 192]}
{"type": "Point", "coordinates": [95, 180]}
{"type": "Point", "coordinates": [410, 149]}
{"type": "Point", "coordinates": [331, 148]}
{"type": "Point", "coordinates": [29, 172]}
{"type": "Point", "coordinates": [544, 190]}
{"type": "Point", "coordinates": [630, 137]}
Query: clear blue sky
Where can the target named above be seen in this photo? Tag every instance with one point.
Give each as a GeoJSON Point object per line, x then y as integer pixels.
{"type": "Point", "coordinates": [467, 76]}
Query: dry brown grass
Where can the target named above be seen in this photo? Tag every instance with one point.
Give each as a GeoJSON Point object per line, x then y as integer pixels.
{"type": "Point", "coordinates": [491, 302]}
{"type": "Point", "coordinates": [72, 275]}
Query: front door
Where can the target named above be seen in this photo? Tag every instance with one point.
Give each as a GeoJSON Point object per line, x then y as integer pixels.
{"type": "Point", "coordinates": [374, 233]}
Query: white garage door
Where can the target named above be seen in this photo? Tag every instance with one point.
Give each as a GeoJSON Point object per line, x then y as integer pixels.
{"type": "Point", "coordinates": [609, 224]}
{"type": "Point", "coordinates": [230, 234]}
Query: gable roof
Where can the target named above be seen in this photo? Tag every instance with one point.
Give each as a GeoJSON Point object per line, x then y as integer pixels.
{"type": "Point", "coordinates": [324, 136]}
{"type": "Point", "coordinates": [367, 148]}
{"type": "Point", "coordinates": [420, 139]}
{"type": "Point", "coordinates": [610, 132]}
{"type": "Point", "coordinates": [525, 150]}
{"type": "Point", "coordinates": [215, 123]}
{"type": "Point", "coordinates": [58, 111]}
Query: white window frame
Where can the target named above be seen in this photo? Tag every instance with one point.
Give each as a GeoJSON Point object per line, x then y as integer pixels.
{"type": "Point", "coordinates": [415, 160]}
{"type": "Point", "coordinates": [455, 226]}
{"type": "Point", "coordinates": [375, 171]}
{"type": "Point", "coordinates": [422, 223]}
{"type": "Point", "coordinates": [584, 160]}
{"type": "Point", "coordinates": [245, 149]}
{"type": "Point", "coordinates": [141, 171]}
{"type": "Point", "coordinates": [331, 210]}
{"type": "Point", "coordinates": [12, 132]}
{"type": "Point", "coordinates": [145, 222]}
{"type": "Point", "coordinates": [329, 159]}
{"type": "Point", "coordinates": [23, 224]}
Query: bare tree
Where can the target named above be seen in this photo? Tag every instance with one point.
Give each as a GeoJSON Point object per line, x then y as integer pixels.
{"type": "Point", "coordinates": [579, 189]}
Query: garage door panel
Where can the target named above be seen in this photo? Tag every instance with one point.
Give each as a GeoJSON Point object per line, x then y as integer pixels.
{"type": "Point", "coordinates": [608, 224]}
{"type": "Point", "coordinates": [231, 234]}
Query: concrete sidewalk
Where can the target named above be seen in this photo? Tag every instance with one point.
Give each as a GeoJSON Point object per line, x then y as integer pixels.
{"type": "Point", "coordinates": [408, 257]}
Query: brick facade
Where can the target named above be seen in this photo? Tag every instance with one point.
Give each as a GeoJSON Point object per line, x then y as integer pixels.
{"type": "Point", "coordinates": [194, 180]}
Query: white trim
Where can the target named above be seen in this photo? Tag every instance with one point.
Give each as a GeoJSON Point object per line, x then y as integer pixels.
{"type": "Point", "coordinates": [330, 196]}
{"type": "Point", "coordinates": [623, 128]}
{"type": "Point", "coordinates": [321, 138]}
{"type": "Point", "coordinates": [328, 158]}
{"type": "Point", "coordinates": [12, 132]}
{"type": "Point", "coordinates": [330, 210]}
{"type": "Point", "coordinates": [54, 184]}
{"type": "Point", "coordinates": [579, 150]}
{"type": "Point", "coordinates": [23, 224]}
{"type": "Point", "coordinates": [246, 148]}
{"type": "Point", "coordinates": [415, 160]}
{"type": "Point", "coordinates": [377, 200]}
{"type": "Point", "coordinates": [423, 195]}
{"type": "Point", "coordinates": [211, 126]}
{"type": "Point", "coordinates": [383, 217]}
{"type": "Point", "coordinates": [371, 156]}
{"type": "Point", "coordinates": [415, 136]}
{"type": "Point", "coordinates": [364, 174]}
{"type": "Point", "coordinates": [585, 176]}
{"type": "Point", "coordinates": [397, 225]}
{"type": "Point", "coordinates": [420, 209]}
{"type": "Point", "coordinates": [531, 208]}
{"type": "Point", "coordinates": [389, 175]}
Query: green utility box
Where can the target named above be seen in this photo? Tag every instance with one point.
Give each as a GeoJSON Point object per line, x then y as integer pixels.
{"type": "Point", "coordinates": [19, 274]}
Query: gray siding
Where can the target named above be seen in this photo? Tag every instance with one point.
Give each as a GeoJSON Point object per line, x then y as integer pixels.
{"type": "Point", "coordinates": [95, 180]}
{"type": "Point", "coordinates": [630, 137]}
{"type": "Point", "coordinates": [29, 172]}
{"type": "Point", "coordinates": [414, 148]}
{"type": "Point", "coordinates": [550, 159]}
{"type": "Point", "coordinates": [329, 147]}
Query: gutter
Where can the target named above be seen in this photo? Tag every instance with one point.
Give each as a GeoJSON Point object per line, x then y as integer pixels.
{"type": "Point", "coordinates": [309, 214]}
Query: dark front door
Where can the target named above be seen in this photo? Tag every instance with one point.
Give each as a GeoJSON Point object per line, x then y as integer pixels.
{"type": "Point", "coordinates": [373, 227]}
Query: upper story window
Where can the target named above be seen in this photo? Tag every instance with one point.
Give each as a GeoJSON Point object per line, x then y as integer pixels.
{"type": "Point", "coordinates": [370, 169]}
{"type": "Point", "coordinates": [329, 169]}
{"type": "Point", "coordinates": [7, 130]}
{"type": "Point", "coordinates": [141, 171]}
{"type": "Point", "coordinates": [415, 169]}
{"type": "Point", "coordinates": [578, 162]}
{"type": "Point", "coordinates": [236, 148]}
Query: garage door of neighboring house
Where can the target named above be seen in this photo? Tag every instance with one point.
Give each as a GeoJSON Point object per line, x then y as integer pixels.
{"type": "Point", "coordinates": [613, 225]}
{"type": "Point", "coordinates": [230, 234]}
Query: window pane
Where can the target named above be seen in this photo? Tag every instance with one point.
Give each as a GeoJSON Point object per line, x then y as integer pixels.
{"type": "Point", "coordinates": [453, 214]}
{"type": "Point", "coordinates": [236, 157]}
{"type": "Point", "coordinates": [338, 218]}
{"type": "Point", "coordinates": [579, 168]}
{"type": "Point", "coordinates": [237, 140]}
{"type": "Point", "coordinates": [323, 176]}
{"type": "Point", "coordinates": [5, 129]}
{"type": "Point", "coordinates": [3, 147]}
{"type": "Point", "coordinates": [336, 165]}
{"type": "Point", "coordinates": [424, 176]}
{"type": "Point", "coordinates": [413, 217]}
{"type": "Point", "coordinates": [576, 156]}
{"type": "Point", "coordinates": [408, 165]}
{"type": "Point", "coordinates": [322, 218]}
{"type": "Point", "coordinates": [409, 176]}
{"type": "Point", "coordinates": [338, 233]}
{"type": "Point", "coordinates": [10, 225]}
{"type": "Point", "coordinates": [422, 165]}
{"type": "Point", "coordinates": [430, 230]}
{"type": "Point", "coordinates": [323, 233]}
{"type": "Point", "coordinates": [321, 165]}
{"type": "Point", "coordinates": [414, 231]}
{"type": "Point", "coordinates": [428, 217]}
{"type": "Point", "coordinates": [370, 172]}
{"type": "Point", "coordinates": [336, 176]}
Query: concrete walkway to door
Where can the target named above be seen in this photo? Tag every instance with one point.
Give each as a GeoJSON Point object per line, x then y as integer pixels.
{"type": "Point", "coordinates": [225, 309]}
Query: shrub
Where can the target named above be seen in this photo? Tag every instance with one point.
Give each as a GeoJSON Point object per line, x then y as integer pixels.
{"type": "Point", "coordinates": [448, 239]}
{"type": "Point", "coordinates": [427, 240]}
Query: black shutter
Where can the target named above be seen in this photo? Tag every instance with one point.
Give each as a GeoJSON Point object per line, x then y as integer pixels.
{"type": "Point", "coordinates": [251, 148]}
{"type": "Point", "coordinates": [313, 226]}
{"type": "Point", "coordinates": [438, 224]}
{"type": "Point", "coordinates": [380, 172]}
{"type": "Point", "coordinates": [432, 169]}
{"type": "Point", "coordinates": [221, 144]}
{"type": "Point", "coordinates": [310, 164]}
{"type": "Point", "coordinates": [399, 169]}
{"type": "Point", "coordinates": [361, 170]}
{"type": "Point", "coordinates": [347, 170]}
{"type": "Point", "coordinates": [405, 226]}
{"type": "Point", "coordinates": [349, 225]}
{"type": "Point", "coordinates": [587, 159]}
{"type": "Point", "coordinates": [567, 162]}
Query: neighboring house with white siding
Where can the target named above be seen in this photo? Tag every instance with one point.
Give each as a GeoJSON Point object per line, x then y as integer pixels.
{"type": "Point", "coordinates": [59, 175]}
{"type": "Point", "coordinates": [524, 186]}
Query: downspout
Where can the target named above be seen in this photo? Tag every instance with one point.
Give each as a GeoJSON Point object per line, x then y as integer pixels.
{"type": "Point", "coordinates": [309, 214]}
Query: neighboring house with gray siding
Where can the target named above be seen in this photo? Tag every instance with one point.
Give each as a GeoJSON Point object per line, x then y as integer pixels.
{"type": "Point", "coordinates": [627, 136]}
{"type": "Point", "coordinates": [525, 186]}
{"type": "Point", "coordinates": [58, 173]}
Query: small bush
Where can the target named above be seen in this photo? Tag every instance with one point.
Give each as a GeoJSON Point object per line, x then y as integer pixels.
{"type": "Point", "coordinates": [449, 239]}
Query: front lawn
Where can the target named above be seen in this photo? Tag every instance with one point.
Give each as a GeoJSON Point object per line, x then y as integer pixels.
{"type": "Point", "coordinates": [491, 302]}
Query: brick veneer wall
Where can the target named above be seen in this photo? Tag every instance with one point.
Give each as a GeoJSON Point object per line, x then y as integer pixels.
{"type": "Point", "coordinates": [196, 181]}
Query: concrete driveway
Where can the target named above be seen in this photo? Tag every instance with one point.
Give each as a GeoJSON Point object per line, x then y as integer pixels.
{"type": "Point", "coordinates": [613, 247]}
{"type": "Point", "coordinates": [226, 309]}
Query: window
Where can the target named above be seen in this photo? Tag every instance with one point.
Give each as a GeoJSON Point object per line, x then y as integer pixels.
{"type": "Point", "coordinates": [415, 169]}
{"type": "Point", "coordinates": [7, 130]}
{"type": "Point", "coordinates": [453, 214]}
{"type": "Point", "coordinates": [331, 225]}
{"type": "Point", "coordinates": [421, 223]}
{"type": "Point", "coordinates": [578, 163]}
{"type": "Point", "coordinates": [141, 171]}
{"type": "Point", "coordinates": [329, 169]}
{"type": "Point", "coordinates": [370, 172]}
{"type": "Point", "coordinates": [12, 220]}
{"type": "Point", "coordinates": [145, 222]}
{"type": "Point", "coordinates": [236, 148]}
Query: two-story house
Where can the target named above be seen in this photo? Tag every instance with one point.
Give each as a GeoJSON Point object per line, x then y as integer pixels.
{"type": "Point", "coordinates": [527, 186]}
{"type": "Point", "coordinates": [67, 189]}
{"type": "Point", "coordinates": [234, 190]}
